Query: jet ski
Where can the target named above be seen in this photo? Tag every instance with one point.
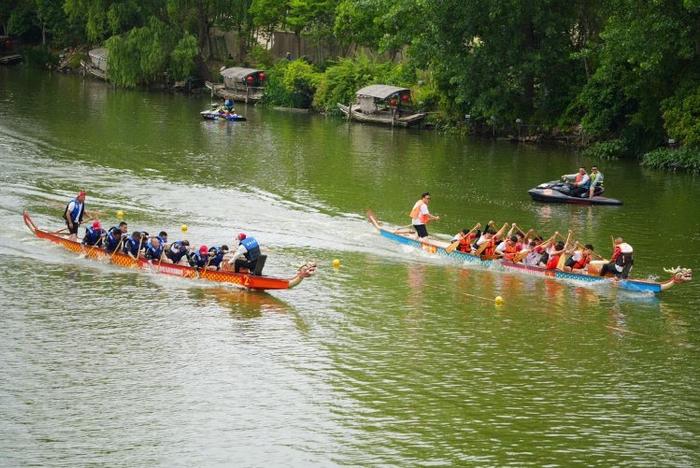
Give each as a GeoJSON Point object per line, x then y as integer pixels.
{"type": "Point", "coordinates": [557, 191]}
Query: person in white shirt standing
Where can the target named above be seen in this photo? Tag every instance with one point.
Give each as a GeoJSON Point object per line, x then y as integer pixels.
{"type": "Point", "coordinates": [420, 216]}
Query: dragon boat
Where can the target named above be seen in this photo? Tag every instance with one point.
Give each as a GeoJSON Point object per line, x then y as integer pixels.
{"type": "Point", "coordinates": [242, 280]}
{"type": "Point", "coordinates": [436, 247]}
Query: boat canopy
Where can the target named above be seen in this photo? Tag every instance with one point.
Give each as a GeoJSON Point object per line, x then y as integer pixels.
{"type": "Point", "coordinates": [98, 57]}
{"type": "Point", "coordinates": [381, 91]}
{"type": "Point", "coordinates": [239, 77]}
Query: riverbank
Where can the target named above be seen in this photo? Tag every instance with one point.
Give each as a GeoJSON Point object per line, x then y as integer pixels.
{"type": "Point", "coordinates": [298, 84]}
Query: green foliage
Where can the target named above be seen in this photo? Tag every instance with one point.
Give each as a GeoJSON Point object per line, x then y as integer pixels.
{"type": "Point", "coordinates": [682, 114]}
{"type": "Point", "coordinates": [606, 150]}
{"type": "Point", "coordinates": [19, 18]}
{"type": "Point", "coordinates": [144, 54]}
{"type": "Point", "coordinates": [684, 159]}
{"type": "Point", "coordinates": [182, 57]}
{"type": "Point", "coordinates": [647, 49]}
{"type": "Point", "coordinates": [259, 57]}
{"type": "Point", "coordinates": [40, 56]}
{"type": "Point", "coordinates": [291, 84]}
{"type": "Point", "coordinates": [340, 82]}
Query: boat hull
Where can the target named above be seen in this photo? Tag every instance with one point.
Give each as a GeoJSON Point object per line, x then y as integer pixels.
{"type": "Point", "coordinates": [552, 196]}
{"type": "Point", "coordinates": [241, 280]}
{"type": "Point", "coordinates": [207, 115]}
{"type": "Point", "coordinates": [382, 119]}
{"type": "Point", "coordinates": [439, 248]}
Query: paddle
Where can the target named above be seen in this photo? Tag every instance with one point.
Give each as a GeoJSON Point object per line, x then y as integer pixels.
{"type": "Point", "coordinates": [121, 239]}
{"type": "Point", "coordinates": [498, 234]}
{"type": "Point", "coordinates": [562, 256]}
{"type": "Point", "coordinates": [451, 248]}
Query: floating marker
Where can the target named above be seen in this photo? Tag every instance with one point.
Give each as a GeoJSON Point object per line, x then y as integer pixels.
{"type": "Point", "coordinates": [183, 228]}
{"type": "Point", "coordinates": [499, 300]}
{"type": "Point", "coordinates": [120, 214]}
{"type": "Point", "coordinates": [336, 263]}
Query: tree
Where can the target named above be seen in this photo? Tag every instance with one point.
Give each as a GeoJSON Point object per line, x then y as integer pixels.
{"type": "Point", "coordinates": [648, 57]}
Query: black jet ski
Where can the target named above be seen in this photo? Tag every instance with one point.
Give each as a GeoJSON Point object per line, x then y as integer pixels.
{"type": "Point", "coordinates": [560, 192]}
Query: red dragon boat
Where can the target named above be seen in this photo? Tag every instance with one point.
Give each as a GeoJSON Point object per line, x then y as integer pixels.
{"type": "Point", "coordinates": [242, 280]}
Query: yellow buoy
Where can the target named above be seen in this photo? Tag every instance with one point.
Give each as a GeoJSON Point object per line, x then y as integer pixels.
{"type": "Point", "coordinates": [120, 214]}
{"type": "Point", "coordinates": [183, 228]}
{"type": "Point", "coordinates": [336, 263]}
{"type": "Point", "coordinates": [499, 300]}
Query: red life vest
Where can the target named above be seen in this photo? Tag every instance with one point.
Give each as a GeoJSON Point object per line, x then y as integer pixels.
{"type": "Point", "coordinates": [582, 263]}
{"type": "Point", "coordinates": [552, 262]}
{"type": "Point", "coordinates": [579, 177]}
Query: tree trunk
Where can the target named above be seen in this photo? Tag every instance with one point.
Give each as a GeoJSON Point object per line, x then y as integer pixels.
{"type": "Point", "coordinates": [203, 28]}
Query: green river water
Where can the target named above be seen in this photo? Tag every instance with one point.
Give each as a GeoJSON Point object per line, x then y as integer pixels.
{"type": "Point", "coordinates": [389, 360]}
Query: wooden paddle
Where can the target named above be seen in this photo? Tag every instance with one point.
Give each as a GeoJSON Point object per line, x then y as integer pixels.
{"type": "Point", "coordinates": [562, 256]}
{"type": "Point", "coordinates": [121, 240]}
{"type": "Point", "coordinates": [451, 248]}
{"type": "Point", "coordinates": [483, 246]}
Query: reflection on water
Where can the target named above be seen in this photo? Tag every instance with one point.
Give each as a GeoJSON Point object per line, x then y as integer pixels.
{"type": "Point", "coordinates": [241, 303]}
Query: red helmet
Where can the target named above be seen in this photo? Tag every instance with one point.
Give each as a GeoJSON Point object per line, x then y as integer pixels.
{"type": "Point", "coordinates": [96, 224]}
{"type": "Point", "coordinates": [241, 236]}
{"type": "Point", "coordinates": [203, 249]}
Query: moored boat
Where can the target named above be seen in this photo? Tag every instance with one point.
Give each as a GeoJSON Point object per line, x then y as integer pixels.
{"type": "Point", "coordinates": [383, 104]}
{"type": "Point", "coordinates": [242, 280]}
{"type": "Point", "coordinates": [436, 247]}
{"type": "Point", "coordinates": [239, 84]}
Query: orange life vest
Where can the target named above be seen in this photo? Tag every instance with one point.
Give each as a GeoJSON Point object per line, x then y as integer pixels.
{"type": "Point", "coordinates": [465, 243]}
{"type": "Point", "coordinates": [415, 212]}
{"type": "Point", "coordinates": [510, 251]}
{"type": "Point", "coordinates": [490, 248]}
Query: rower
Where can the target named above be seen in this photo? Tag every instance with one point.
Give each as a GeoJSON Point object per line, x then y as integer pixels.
{"type": "Point", "coordinates": [581, 182]}
{"type": "Point", "coordinates": [216, 256]}
{"type": "Point", "coordinates": [247, 255]}
{"type": "Point", "coordinates": [163, 238]}
{"type": "Point", "coordinates": [509, 248]}
{"type": "Point", "coordinates": [94, 235]}
{"type": "Point", "coordinates": [177, 250]}
{"type": "Point", "coordinates": [113, 240]}
{"type": "Point", "coordinates": [621, 261]}
{"type": "Point", "coordinates": [200, 260]}
{"type": "Point", "coordinates": [534, 254]}
{"type": "Point", "coordinates": [123, 228]}
{"type": "Point", "coordinates": [578, 262]}
{"type": "Point", "coordinates": [132, 245]}
{"type": "Point", "coordinates": [153, 249]}
{"type": "Point", "coordinates": [420, 216]}
{"type": "Point", "coordinates": [466, 238]}
{"type": "Point", "coordinates": [73, 214]}
{"type": "Point", "coordinates": [228, 105]}
{"type": "Point", "coordinates": [553, 258]}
